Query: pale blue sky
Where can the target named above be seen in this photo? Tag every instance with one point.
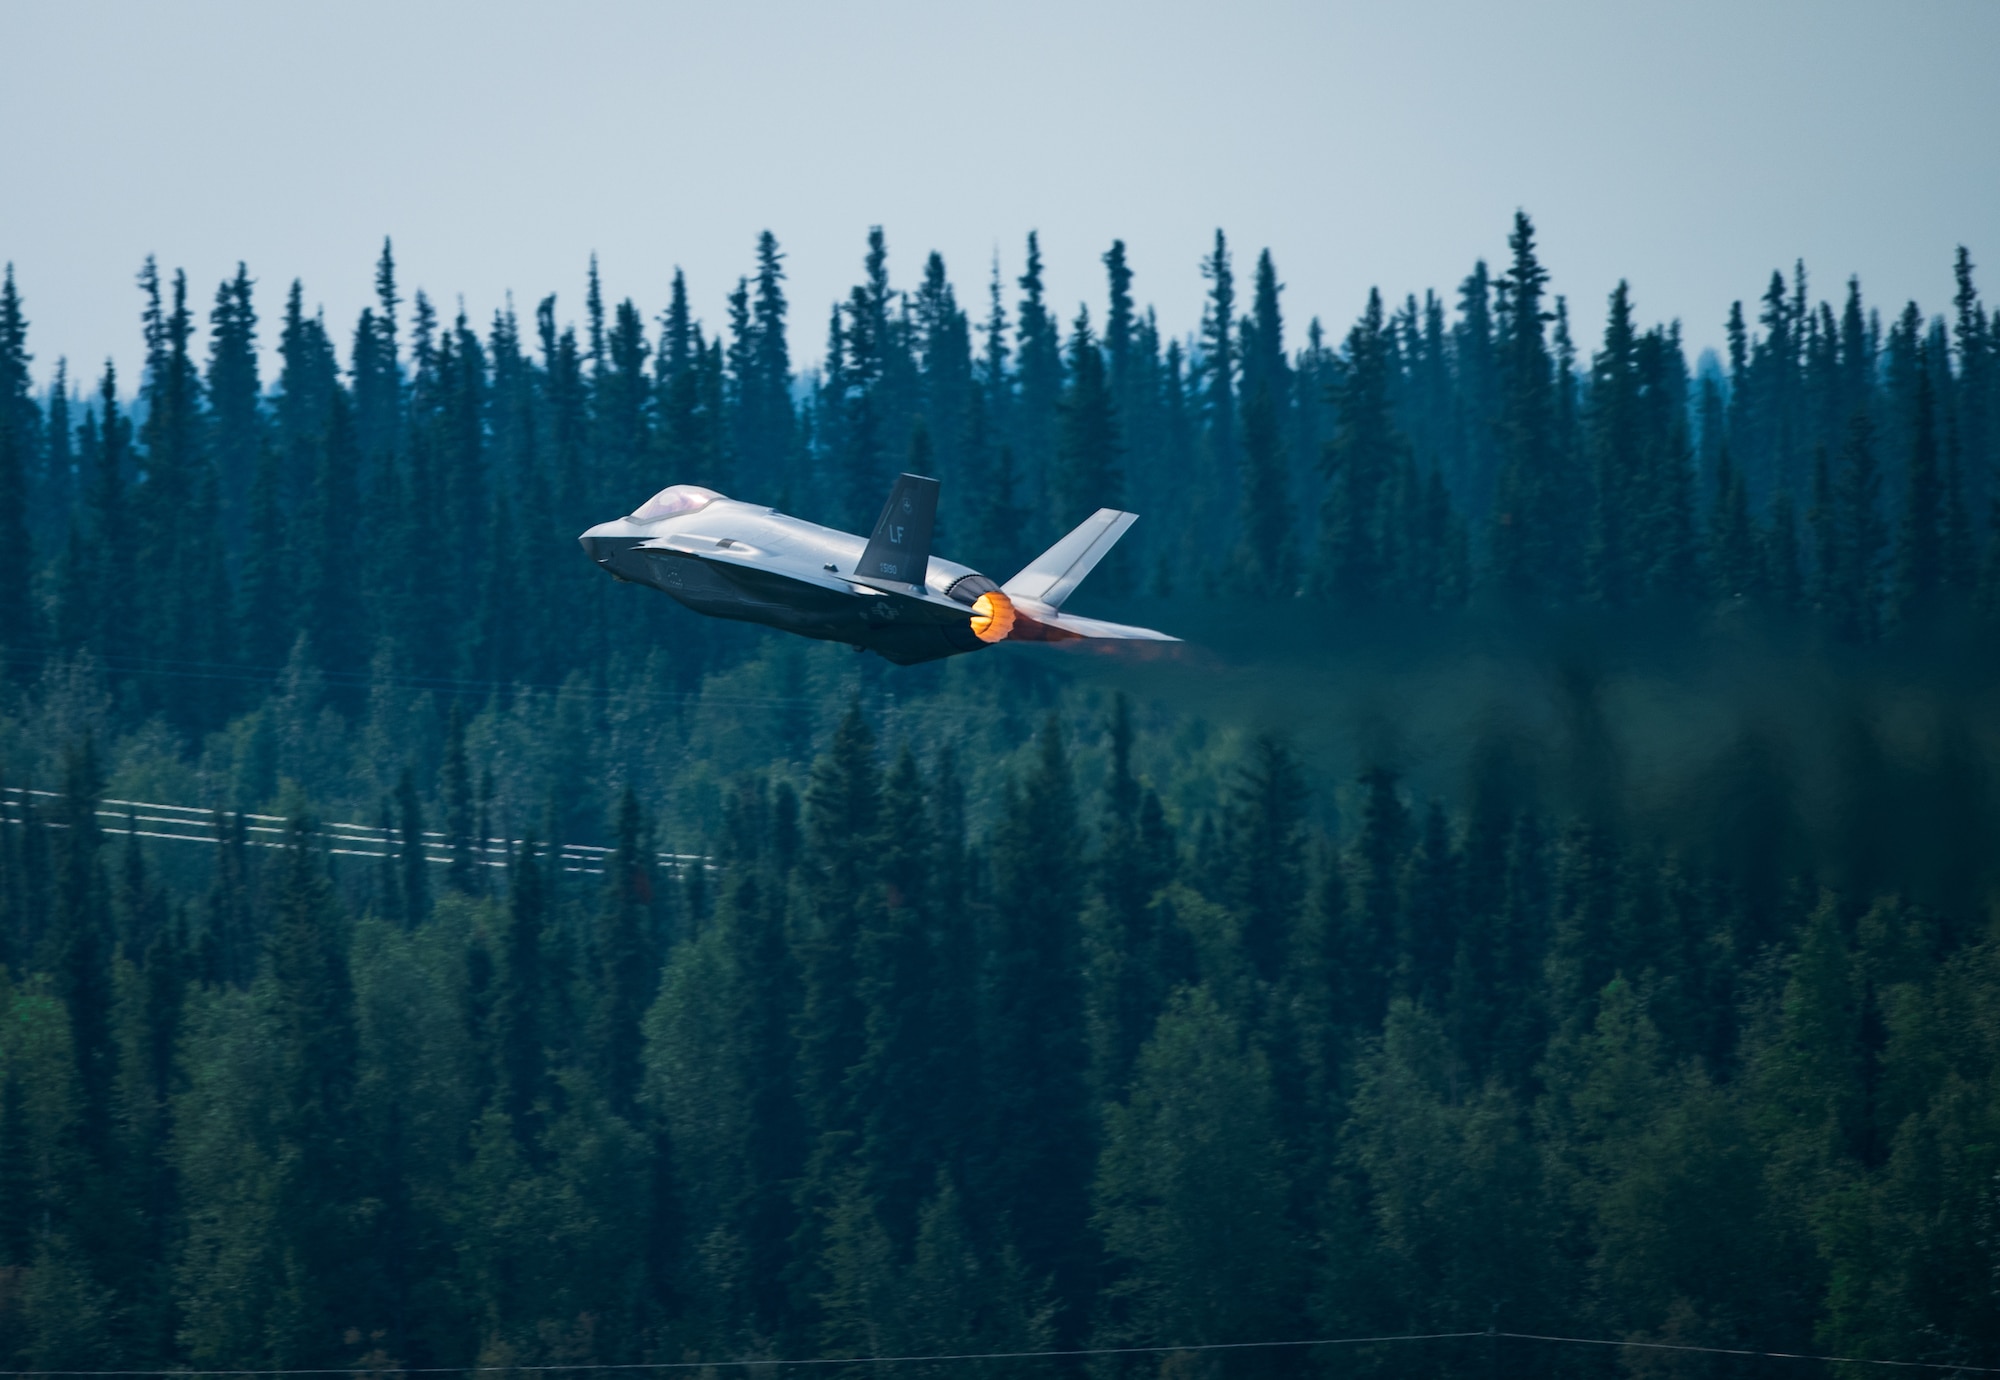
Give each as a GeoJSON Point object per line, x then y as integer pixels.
{"type": "Point", "coordinates": [1690, 147]}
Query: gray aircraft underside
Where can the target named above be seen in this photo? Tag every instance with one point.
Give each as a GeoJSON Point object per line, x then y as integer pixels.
{"type": "Point", "coordinates": [885, 593]}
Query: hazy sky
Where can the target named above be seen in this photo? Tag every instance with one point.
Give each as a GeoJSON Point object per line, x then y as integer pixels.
{"type": "Point", "coordinates": [1690, 147]}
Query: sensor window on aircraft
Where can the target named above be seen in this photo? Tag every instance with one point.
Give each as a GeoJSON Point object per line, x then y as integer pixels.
{"type": "Point", "coordinates": [675, 500]}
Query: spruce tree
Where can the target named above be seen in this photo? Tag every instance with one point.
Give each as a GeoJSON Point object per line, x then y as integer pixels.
{"type": "Point", "coordinates": [235, 394]}
{"type": "Point", "coordinates": [455, 794]}
{"type": "Point", "coordinates": [1267, 839]}
{"type": "Point", "coordinates": [171, 394]}
{"type": "Point", "coordinates": [1131, 969]}
{"type": "Point", "coordinates": [227, 955]}
{"type": "Point", "coordinates": [377, 370]}
{"type": "Point", "coordinates": [1529, 554]}
{"type": "Point", "coordinates": [842, 821]}
{"type": "Point", "coordinates": [1035, 420]}
{"type": "Point", "coordinates": [898, 1086]}
{"type": "Point", "coordinates": [768, 421]}
{"type": "Point", "coordinates": [1120, 327]}
{"type": "Point", "coordinates": [623, 403]}
{"type": "Point", "coordinates": [1920, 547]}
{"type": "Point", "coordinates": [322, 1274]}
{"type": "Point", "coordinates": [860, 401]}
{"type": "Point", "coordinates": [1038, 1145]}
{"type": "Point", "coordinates": [1664, 528]}
{"type": "Point", "coordinates": [1780, 575]}
{"type": "Point", "coordinates": [1375, 923]}
{"type": "Point", "coordinates": [764, 977]}
{"type": "Point", "coordinates": [1266, 561]}
{"type": "Point", "coordinates": [1359, 464]}
{"type": "Point", "coordinates": [328, 534]}
{"type": "Point", "coordinates": [519, 1019]}
{"type": "Point", "coordinates": [81, 942]}
{"type": "Point", "coordinates": [18, 1195]}
{"type": "Point", "coordinates": [412, 881]}
{"type": "Point", "coordinates": [56, 485]}
{"type": "Point", "coordinates": [1476, 426]}
{"type": "Point", "coordinates": [307, 379]}
{"type": "Point", "coordinates": [1732, 552]}
{"type": "Point", "coordinates": [1615, 442]}
{"type": "Point", "coordinates": [1978, 348]}
{"type": "Point", "coordinates": [626, 961]}
{"type": "Point", "coordinates": [19, 444]}
{"type": "Point", "coordinates": [1428, 945]}
{"type": "Point", "coordinates": [1852, 538]}
{"type": "Point", "coordinates": [844, 834]}
{"type": "Point", "coordinates": [1088, 475]}
{"type": "Point", "coordinates": [1218, 364]}
{"type": "Point", "coordinates": [943, 341]}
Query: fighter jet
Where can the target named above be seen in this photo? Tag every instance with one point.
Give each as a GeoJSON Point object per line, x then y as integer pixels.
{"type": "Point", "coordinates": [886, 594]}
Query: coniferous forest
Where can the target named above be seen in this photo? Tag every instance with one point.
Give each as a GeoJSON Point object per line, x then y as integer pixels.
{"type": "Point", "coordinates": [1554, 891]}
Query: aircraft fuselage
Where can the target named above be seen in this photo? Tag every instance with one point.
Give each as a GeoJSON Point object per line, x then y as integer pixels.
{"type": "Point", "coordinates": [757, 565]}
{"type": "Point", "coordinates": [886, 594]}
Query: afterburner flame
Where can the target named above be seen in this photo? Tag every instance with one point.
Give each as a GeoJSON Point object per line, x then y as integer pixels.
{"type": "Point", "coordinates": [992, 616]}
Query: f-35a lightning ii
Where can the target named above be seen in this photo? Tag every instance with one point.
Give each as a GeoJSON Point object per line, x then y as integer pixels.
{"type": "Point", "coordinates": [887, 594]}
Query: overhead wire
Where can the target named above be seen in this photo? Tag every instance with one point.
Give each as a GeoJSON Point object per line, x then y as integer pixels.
{"type": "Point", "coordinates": [1956, 1367]}
{"type": "Point", "coordinates": [1072, 1353]}
{"type": "Point", "coordinates": [121, 817]}
{"type": "Point", "coordinates": [940, 1358]}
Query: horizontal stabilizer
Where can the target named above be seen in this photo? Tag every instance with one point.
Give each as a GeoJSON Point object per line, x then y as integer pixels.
{"type": "Point", "coordinates": [1097, 627]}
{"type": "Point", "coordinates": [1052, 576]}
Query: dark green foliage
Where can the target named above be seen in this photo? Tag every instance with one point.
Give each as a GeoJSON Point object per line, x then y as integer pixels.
{"type": "Point", "coordinates": [520, 1010]}
{"type": "Point", "coordinates": [80, 946]}
{"type": "Point", "coordinates": [1267, 562]}
{"type": "Point", "coordinates": [1133, 962]}
{"type": "Point", "coordinates": [1357, 534]}
{"type": "Point", "coordinates": [1267, 867]}
{"type": "Point", "coordinates": [963, 1051]}
{"type": "Point", "coordinates": [1037, 1144]}
{"type": "Point", "coordinates": [843, 828]}
{"type": "Point", "coordinates": [20, 426]}
{"type": "Point", "coordinates": [627, 957]}
{"type": "Point", "coordinates": [1087, 474]}
{"type": "Point", "coordinates": [412, 879]}
{"type": "Point", "coordinates": [1849, 536]}
{"type": "Point", "coordinates": [235, 417]}
{"type": "Point", "coordinates": [323, 1277]}
{"type": "Point", "coordinates": [1034, 419]}
{"type": "Point", "coordinates": [1921, 552]}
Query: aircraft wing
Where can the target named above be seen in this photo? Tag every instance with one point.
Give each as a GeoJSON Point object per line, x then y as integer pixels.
{"type": "Point", "coordinates": [924, 606]}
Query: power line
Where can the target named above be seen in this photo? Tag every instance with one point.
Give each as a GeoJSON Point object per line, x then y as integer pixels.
{"type": "Point", "coordinates": [199, 824]}
{"type": "Point", "coordinates": [945, 1358]}
{"type": "Point", "coordinates": [1763, 1355]}
{"type": "Point", "coordinates": [934, 1359]}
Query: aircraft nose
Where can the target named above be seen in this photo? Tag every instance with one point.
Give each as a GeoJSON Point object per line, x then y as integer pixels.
{"type": "Point", "coordinates": [606, 542]}
{"type": "Point", "coordinates": [598, 544]}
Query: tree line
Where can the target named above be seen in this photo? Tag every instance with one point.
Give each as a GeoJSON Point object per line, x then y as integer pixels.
{"type": "Point", "coordinates": [985, 1011]}
{"type": "Point", "coordinates": [417, 502]}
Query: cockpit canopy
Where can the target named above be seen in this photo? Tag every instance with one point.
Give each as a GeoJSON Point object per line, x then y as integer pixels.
{"type": "Point", "coordinates": [674, 501]}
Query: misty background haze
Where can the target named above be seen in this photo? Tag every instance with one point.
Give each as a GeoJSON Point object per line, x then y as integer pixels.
{"type": "Point", "coordinates": [1691, 148]}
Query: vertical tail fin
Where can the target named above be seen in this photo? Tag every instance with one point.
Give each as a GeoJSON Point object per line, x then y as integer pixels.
{"type": "Point", "coordinates": [900, 549]}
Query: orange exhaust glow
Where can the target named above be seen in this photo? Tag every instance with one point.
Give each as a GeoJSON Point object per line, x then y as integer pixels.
{"type": "Point", "coordinates": [992, 616]}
